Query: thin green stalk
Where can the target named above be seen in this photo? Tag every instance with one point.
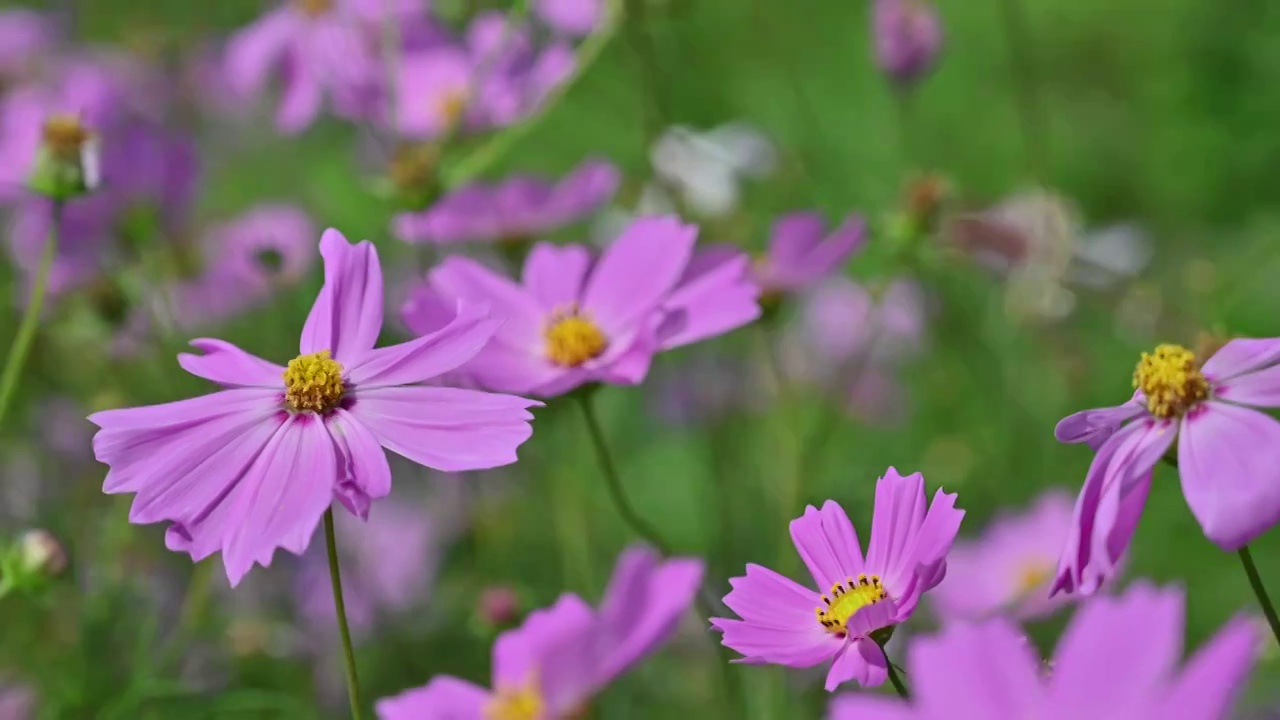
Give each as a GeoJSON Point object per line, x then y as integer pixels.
{"type": "Point", "coordinates": [349, 653]}
{"type": "Point", "coordinates": [656, 113]}
{"type": "Point", "coordinates": [1255, 582]}
{"type": "Point", "coordinates": [31, 318]}
{"type": "Point", "coordinates": [1027, 96]}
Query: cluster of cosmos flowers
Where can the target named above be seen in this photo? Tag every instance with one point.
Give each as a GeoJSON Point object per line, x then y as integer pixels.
{"type": "Point", "coordinates": [506, 322]}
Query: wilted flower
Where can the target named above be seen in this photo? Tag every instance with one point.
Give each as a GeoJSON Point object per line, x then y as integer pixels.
{"type": "Point", "coordinates": [573, 322]}
{"type": "Point", "coordinates": [1118, 660]}
{"type": "Point", "coordinates": [706, 169]}
{"type": "Point", "coordinates": [787, 624]}
{"type": "Point", "coordinates": [519, 208]}
{"type": "Point", "coordinates": [801, 251]}
{"type": "Point", "coordinates": [553, 664]}
{"type": "Point", "coordinates": [252, 468]}
{"type": "Point", "coordinates": [908, 37]}
{"type": "Point", "coordinates": [1010, 569]}
{"type": "Point", "coordinates": [1228, 453]}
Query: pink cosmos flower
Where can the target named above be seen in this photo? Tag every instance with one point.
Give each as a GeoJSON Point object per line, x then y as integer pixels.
{"type": "Point", "coordinates": [1010, 569]}
{"type": "Point", "coordinates": [908, 37]}
{"type": "Point", "coordinates": [26, 37]}
{"type": "Point", "coordinates": [1228, 454]}
{"type": "Point", "coordinates": [785, 623]}
{"type": "Point", "coordinates": [573, 322]}
{"type": "Point", "coordinates": [252, 468]}
{"type": "Point", "coordinates": [519, 208]}
{"type": "Point", "coordinates": [1118, 660]}
{"type": "Point", "coordinates": [553, 664]}
{"type": "Point", "coordinates": [801, 252]}
{"type": "Point", "coordinates": [319, 48]}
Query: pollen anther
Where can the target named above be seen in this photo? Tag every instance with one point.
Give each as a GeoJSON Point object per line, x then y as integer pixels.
{"type": "Point", "coordinates": [1171, 380]}
{"type": "Point", "coordinates": [313, 383]}
{"type": "Point", "coordinates": [573, 338]}
{"type": "Point", "coordinates": [846, 599]}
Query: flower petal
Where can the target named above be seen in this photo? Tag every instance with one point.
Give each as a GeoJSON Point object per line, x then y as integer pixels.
{"type": "Point", "coordinates": [252, 51]}
{"type": "Point", "coordinates": [554, 274]}
{"type": "Point", "coordinates": [363, 472]}
{"type": "Point", "coordinates": [637, 271]}
{"type": "Point", "coordinates": [446, 428]}
{"type": "Point", "coordinates": [227, 364]}
{"type": "Point", "coordinates": [720, 299]}
{"type": "Point", "coordinates": [444, 698]}
{"type": "Point", "coordinates": [347, 315]}
{"type": "Point", "coordinates": [460, 278]}
{"type": "Point", "coordinates": [861, 660]}
{"type": "Point", "coordinates": [1095, 426]}
{"type": "Point", "coordinates": [1215, 674]}
{"type": "Point", "coordinates": [828, 544]}
{"type": "Point", "coordinates": [900, 510]}
{"type": "Point", "coordinates": [926, 557]}
{"type": "Point", "coordinates": [282, 496]}
{"type": "Point", "coordinates": [793, 647]}
{"type": "Point", "coordinates": [1260, 388]}
{"type": "Point", "coordinates": [765, 597]}
{"type": "Point", "coordinates": [1229, 460]}
{"type": "Point", "coordinates": [302, 97]}
{"type": "Point", "coordinates": [1241, 356]}
{"type": "Point", "coordinates": [429, 356]}
{"type": "Point", "coordinates": [630, 631]}
{"type": "Point", "coordinates": [988, 669]}
{"type": "Point", "coordinates": [861, 706]}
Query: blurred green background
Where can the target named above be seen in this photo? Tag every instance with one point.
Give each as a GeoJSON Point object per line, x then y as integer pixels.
{"type": "Point", "coordinates": [1161, 113]}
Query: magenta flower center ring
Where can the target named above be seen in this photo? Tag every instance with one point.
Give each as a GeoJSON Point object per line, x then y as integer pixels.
{"type": "Point", "coordinates": [573, 338]}
{"type": "Point", "coordinates": [64, 135]}
{"type": "Point", "coordinates": [848, 598]}
{"type": "Point", "coordinates": [313, 383]}
{"type": "Point", "coordinates": [1171, 380]}
{"type": "Point", "coordinates": [522, 703]}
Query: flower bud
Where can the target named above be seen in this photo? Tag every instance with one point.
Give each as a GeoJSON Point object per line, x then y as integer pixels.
{"type": "Point", "coordinates": [499, 606]}
{"type": "Point", "coordinates": [908, 37]}
{"type": "Point", "coordinates": [40, 554]}
{"type": "Point", "coordinates": [67, 163]}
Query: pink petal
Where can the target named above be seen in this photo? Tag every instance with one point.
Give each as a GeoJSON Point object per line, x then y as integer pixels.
{"type": "Point", "coordinates": [426, 311]}
{"type": "Point", "coordinates": [926, 557]}
{"type": "Point", "coordinates": [828, 545]}
{"type": "Point", "coordinates": [227, 364]}
{"type": "Point", "coordinates": [1260, 388]}
{"type": "Point", "coordinates": [861, 660]}
{"type": "Point", "coordinates": [444, 698]}
{"type": "Point", "coordinates": [637, 272]}
{"type": "Point", "coordinates": [253, 51]}
{"type": "Point", "coordinates": [429, 356]}
{"type": "Point", "coordinates": [1215, 675]}
{"type": "Point", "coordinates": [364, 474]}
{"type": "Point", "coordinates": [503, 368]}
{"type": "Point", "coordinates": [793, 236]}
{"type": "Point", "coordinates": [302, 98]}
{"type": "Point", "coordinates": [1085, 682]}
{"type": "Point", "coordinates": [1095, 426]}
{"type": "Point", "coordinates": [283, 495]}
{"type": "Point", "coordinates": [347, 315]}
{"type": "Point", "coordinates": [721, 299]}
{"type": "Point", "coordinates": [860, 706]}
{"type": "Point", "coordinates": [179, 414]}
{"type": "Point", "coordinates": [1240, 356]}
{"type": "Point", "coordinates": [988, 669]}
{"type": "Point", "coordinates": [793, 647]}
{"type": "Point", "coordinates": [630, 632]}
{"type": "Point", "coordinates": [445, 428]}
{"type": "Point", "coordinates": [554, 274]}
{"type": "Point", "coordinates": [900, 510]}
{"type": "Point", "coordinates": [763, 596]}
{"type": "Point", "coordinates": [1229, 460]}
{"type": "Point", "coordinates": [556, 647]}
{"type": "Point", "coordinates": [464, 279]}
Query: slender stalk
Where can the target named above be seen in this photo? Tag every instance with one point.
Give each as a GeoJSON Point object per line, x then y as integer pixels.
{"type": "Point", "coordinates": [31, 318]}
{"type": "Point", "coordinates": [898, 685]}
{"type": "Point", "coordinates": [349, 653]}
{"type": "Point", "coordinates": [1027, 96]}
{"type": "Point", "coordinates": [1255, 582]}
{"type": "Point", "coordinates": [616, 492]}
{"type": "Point", "coordinates": [655, 114]}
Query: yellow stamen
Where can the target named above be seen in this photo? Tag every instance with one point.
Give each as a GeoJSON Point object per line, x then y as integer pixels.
{"type": "Point", "coordinates": [314, 8]}
{"type": "Point", "coordinates": [848, 598]}
{"type": "Point", "coordinates": [452, 104]}
{"type": "Point", "coordinates": [64, 135]}
{"type": "Point", "coordinates": [1032, 576]}
{"type": "Point", "coordinates": [573, 338]}
{"type": "Point", "coordinates": [1171, 380]}
{"type": "Point", "coordinates": [521, 703]}
{"type": "Point", "coordinates": [313, 383]}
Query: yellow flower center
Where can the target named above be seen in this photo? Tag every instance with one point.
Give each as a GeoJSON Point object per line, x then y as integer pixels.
{"type": "Point", "coordinates": [314, 8]}
{"type": "Point", "coordinates": [848, 598]}
{"type": "Point", "coordinates": [452, 104]}
{"type": "Point", "coordinates": [1032, 576]}
{"type": "Point", "coordinates": [1171, 380]}
{"type": "Point", "coordinates": [573, 339]}
{"type": "Point", "coordinates": [522, 703]}
{"type": "Point", "coordinates": [64, 135]}
{"type": "Point", "coordinates": [313, 383]}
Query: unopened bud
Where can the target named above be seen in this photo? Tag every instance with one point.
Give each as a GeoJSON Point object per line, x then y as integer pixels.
{"type": "Point", "coordinates": [67, 163]}
{"type": "Point", "coordinates": [908, 38]}
{"type": "Point", "coordinates": [499, 606]}
{"type": "Point", "coordinates": [40, 553]}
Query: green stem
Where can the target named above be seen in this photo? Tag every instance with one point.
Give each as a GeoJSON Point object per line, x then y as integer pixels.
{"type": "Point", "coordinates": [898, 685]}
{"type": "Point", "coordinates": [616, 492]}
{"type": "Point", "coordinates": [31, 318]}
{"type": "Point", "coordinates": [1027, 96]}
{"type": "Point", "coordinates": [349, 653]}
{"type": "Point", "coordinates": [1255, 582]}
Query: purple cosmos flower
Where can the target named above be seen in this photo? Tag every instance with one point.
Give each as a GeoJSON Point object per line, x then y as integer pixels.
{"type": "Point", "coordinates": [518, 208]}
{"type": "Point", "coordinates": [1228, 454]}
{"type": "Point", "coordinates": [1009, 570]}
{"type": "Point", "coordinates": [268, 245]}
{"type": "Point", "coordinates": [25, 37]}
{"type": "Point", "coordinates": [252, 468]}
{"type": "Point", "coordinates": [1118, 660]}
{"type": "Point", "coordinates": [801, 252]}
{"type": "Point", "coordinates": [574, 18]}
{"type": "Point", "coordinates": [787, 624]}
{"type": "Point", "coordinates": [908, 37]}
{"type": "Point", "coordinates": [434, 92]}
{"type": "Point", "coordinates": [553, 664]}
{"type": "Point", "coordinates": [573, 322]}
{"type": "Point", "coordinates": [318, 48]}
